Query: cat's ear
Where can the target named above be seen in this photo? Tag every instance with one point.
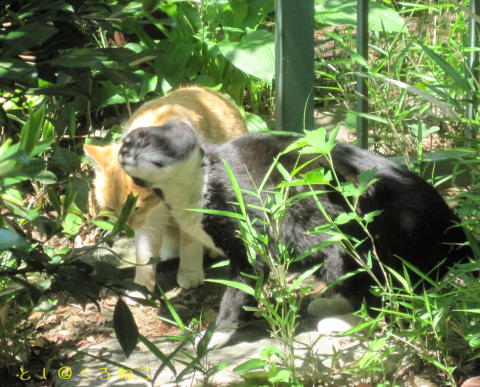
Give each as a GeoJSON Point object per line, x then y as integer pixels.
{"type": "Point", "coordinates": [101, 156]}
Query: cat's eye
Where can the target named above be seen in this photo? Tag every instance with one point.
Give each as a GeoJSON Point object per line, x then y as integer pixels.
{"type": "Point", "coordinates": [139, 182]}
{"type": "Point", "coordinates": [158, 164]}
{"type": "Point", "coordinates": [159, 193]}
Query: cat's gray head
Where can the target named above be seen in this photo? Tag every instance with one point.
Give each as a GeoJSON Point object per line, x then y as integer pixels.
{"type": "Point", "coordinates": [159, 152]}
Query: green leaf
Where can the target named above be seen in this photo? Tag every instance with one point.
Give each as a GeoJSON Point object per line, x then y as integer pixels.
{"type": "Point", "coordinates": [254, 55]}
{"type": "Point", "coordinates": [9, 239]}
{"type": "Point", "coordinates": [157, 352]}
{"type": "Point", "coordinates": [341, 12]}
{"type": "Point", "coordinates": [9, 168]}
{"type": "Point", "coordinates": [72, 224]}
{"type": "Point", "coordinates": [150, 5]}
{"type": "Point", "coordinates": [46, 177]}
{"type": "Point", "coordinates": [448, 69]}
{"type": "Point", "coordinates": [317, 176]}
{"type": "Point", "coordinates": [31, 131]}
{"type": "Point", "coordinates": [125, 327]}
{"type": "Point", "coordinates": [236, 188]}
{"type": "Point", "coordinates": [255, 123]}
{"type": "Point", "coordinates": [28, 36]}
{"type": "Point", "coordinates": [102, 224]}
{"type": "Point", "coordinates": [251, 364]}
{"type": "Point", "coordinates": [237, 285]}
{"type": "Point", "coordinates": [19, 71]}
{"type": "Point", "coordinates": [229, 214]}
{"type": "Point", "coordinates": [282, 376]}
{"type": "Point", "coordinates": [124, 215]}
{"type": "Point", "coordinates": [65, 159]}
{"type": "Point", "coordinates": [315, 141]}
{"type": "Point", "coordinates": [298, 282]}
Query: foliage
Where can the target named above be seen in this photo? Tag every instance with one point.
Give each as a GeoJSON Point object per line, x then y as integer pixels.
{"type": "Point", "coordinates": [72, 71]}
{"type": "Point", "coordinates": [68, 68]}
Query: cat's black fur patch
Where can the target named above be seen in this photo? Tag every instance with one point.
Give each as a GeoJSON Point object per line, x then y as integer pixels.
{"type": "Point", "coordinates": [415, 223]}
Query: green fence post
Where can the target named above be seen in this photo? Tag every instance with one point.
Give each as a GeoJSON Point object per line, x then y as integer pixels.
{"type": "Point", "coordinates": [472, 63]}
{"type": "Point", "coordinates": [294, 76]}
{"type": "Point", "coordinates": [362, 88]}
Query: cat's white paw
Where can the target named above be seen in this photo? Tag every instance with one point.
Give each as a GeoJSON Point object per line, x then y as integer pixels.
{"type": "Point", "coordinates": [218, 339]}
{"type": "Point", "coordinates": [215, 253]}
{"type": "Point", "coordinates": [189, 279]}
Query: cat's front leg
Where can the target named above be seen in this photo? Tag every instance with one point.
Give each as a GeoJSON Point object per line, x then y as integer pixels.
{"type": "Point", "coordinates": [190, 272]}
{"type": "Point", "coordinates": [171, 240]}
{"type": "Point", "coordinates": [147, 245]}
{"type": "Point", "coordinates": [230, 316]}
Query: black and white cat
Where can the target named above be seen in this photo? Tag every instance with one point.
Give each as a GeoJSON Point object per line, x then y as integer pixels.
{"type": "Point", "coordinates": [415, 223]}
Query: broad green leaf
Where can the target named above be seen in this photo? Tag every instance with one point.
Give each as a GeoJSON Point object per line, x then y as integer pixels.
{"type": "Point", "coordinates": [341, 12]}
{"type": "Point", "coordinates": [317, 176]}
{"type": "Point", "coordinates": [10, 239]}
{"type": "Point", "coordinates": [315, 141]}
{"type": "Point", "coordinates": [46, 177]}
{"type": "Point", "coordinates": [8, 168]}
{"type": "Point", "coordinates": [66, 160]}
{"type": "Point", "coordinates": [19, 71]}
{"type": "Point", "coordinates": [282, 376]}
{"type": "Point", "coordinates": [72, 224]}
{"type": "Point", "coordinates": [32, 130]}
{"type": "Point", "coordinates": [125, 327]}
{"type": "Point", "coordinates": [254, 55]}
{"type": "Point", "coordinates": [28, 36]}
{"type": "Point", "coordinates": [255, 123]}
{"type": "Point", "coordinates": [251, 364]}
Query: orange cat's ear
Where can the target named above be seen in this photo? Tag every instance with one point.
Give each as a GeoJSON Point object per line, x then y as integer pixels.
{"type": "Point", "coordinates": [100, 155]}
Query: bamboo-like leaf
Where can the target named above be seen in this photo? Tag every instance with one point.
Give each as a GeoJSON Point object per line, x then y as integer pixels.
{"type": "Point", "coordinates": [228, 214]}
{"type": "Point", "coordinates": [237, 285]}
{"type": "Point", "coordinates": [441, 105]}
{"type": "Point", "coordinates": [448, 69]}
{"type": "Point", "coordinates": [32, 130]}
{"type": "Point", "coordinates": [236, 188]}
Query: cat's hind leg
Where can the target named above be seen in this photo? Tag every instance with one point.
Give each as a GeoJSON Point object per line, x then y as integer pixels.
{"type": "Point", "coordinates": [190, 272]}
{"type": "Point", "coordinates": [171, 240]}
{"type": "Point", "coordinates": [147, 245]}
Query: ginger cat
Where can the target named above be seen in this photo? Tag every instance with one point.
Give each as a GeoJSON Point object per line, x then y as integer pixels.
{"type": "Point", "coordinates": [215, 120]}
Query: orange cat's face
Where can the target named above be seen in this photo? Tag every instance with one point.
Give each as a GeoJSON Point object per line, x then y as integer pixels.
{"type": "Point", "coordinates": [113, 185]}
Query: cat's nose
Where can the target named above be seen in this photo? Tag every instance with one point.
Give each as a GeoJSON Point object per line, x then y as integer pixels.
{"type": "Point", "coordinates": [126, 154]}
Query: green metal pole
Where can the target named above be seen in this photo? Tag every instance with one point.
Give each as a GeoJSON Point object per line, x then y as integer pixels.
{"type": "Point", "coordinates": [472, 63]}
{"type": "Point", "coordinates": [362, 88]}
{"type": "Point", "coordinates": [294, 75]}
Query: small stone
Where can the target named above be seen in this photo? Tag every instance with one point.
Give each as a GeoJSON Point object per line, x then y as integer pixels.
{"type": "Point", "coordinates": [339, 323]}
{"type": "Point", "coordinates": [472, 382]}
{"type": "Point", "coordinates": [324, 307]}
